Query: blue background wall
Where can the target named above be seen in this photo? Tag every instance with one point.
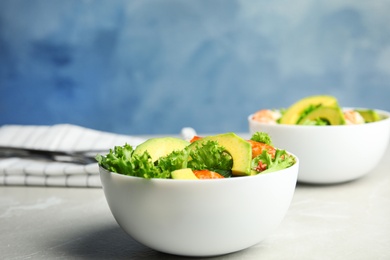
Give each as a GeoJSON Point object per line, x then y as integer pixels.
{"type": "Point", "coordinates": [155, 66]}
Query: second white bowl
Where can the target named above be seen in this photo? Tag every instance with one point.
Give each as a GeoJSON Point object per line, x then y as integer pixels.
{"type": "Point", "coordinates": [331, 154]}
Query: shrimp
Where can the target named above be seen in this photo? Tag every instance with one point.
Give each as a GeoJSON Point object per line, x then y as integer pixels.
{"type": "Point", "coordinates": [353, 117]}
{"type": "Point", "coordinates": [257, 148]}
{"type": "Point", "coordinates": [195, 138]}
{"type": "Point", "coordinates": [207, 174]}
{"type": "Point", "coordinates": [267, 116]}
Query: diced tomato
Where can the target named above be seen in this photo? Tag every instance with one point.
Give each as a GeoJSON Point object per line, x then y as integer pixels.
{"type": "Point", "coordinates": [257, 148]}
{"type": "Point", "coordinates": [207, 174]}
{"type": "Point", "coordinates": [261, 167]}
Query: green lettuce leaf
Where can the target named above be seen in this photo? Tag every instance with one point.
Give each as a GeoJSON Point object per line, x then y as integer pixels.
{"type": "Point", "coordinates": [210, 155]}
{"type": "Point", "coordinates": [122, 160]}
{"type": "Point", "coordinates": [317, 121]}
{"type": "Point", "coordinates": [174, 161]}
{"type": "Point", "coordinates": [264, 162]}
{"type": "Point", "coordinates": [261, 137]}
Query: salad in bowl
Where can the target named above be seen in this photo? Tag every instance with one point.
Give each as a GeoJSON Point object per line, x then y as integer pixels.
{"type": "Point", "coordinates": [220, 156]}
{"type": "Point", "coordinates": [319, 110]}
{"type": "Point", "coordinates": [211, 196]}
{"type": "Point", "coordinates": [334, 144]}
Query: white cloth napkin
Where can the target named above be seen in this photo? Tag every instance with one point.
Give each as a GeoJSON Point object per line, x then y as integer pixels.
{"type": "Point", "coordinates": [62, 137]}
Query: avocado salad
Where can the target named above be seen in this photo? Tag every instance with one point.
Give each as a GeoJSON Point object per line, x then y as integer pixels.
{"type": "Point", "coordinates": [210, 157]}
{"type": "Point", "coordinates": [316, 110]}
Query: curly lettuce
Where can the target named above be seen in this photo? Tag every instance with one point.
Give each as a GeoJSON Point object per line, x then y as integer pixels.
{"type": "Point", "coordinates": [261, 137]}
{"type": "Point", "coordinates": [265, 162]}
{"type": "Point", "coordinates": [122, 160]}
{"type": "Point", "coordinates": [209, 155]}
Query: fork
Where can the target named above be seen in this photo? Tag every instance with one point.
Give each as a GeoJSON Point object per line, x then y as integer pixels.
{"type": "Point", "coordinates": [79, 157]}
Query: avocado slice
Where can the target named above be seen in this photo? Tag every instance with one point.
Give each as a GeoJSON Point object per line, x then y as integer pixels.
{"type": "Point", "coordinates": [237, 147]}
{"type": "Point", "coordinates": [184, 174]}
{"type": "Point", "coordinates": [293, 113]}
{"type": "Point", "coordinates": [161, 146]}
{"type": "Point", "coordinates": [369, 115]}
{"type": "Point", "coordinates": [333, 115]}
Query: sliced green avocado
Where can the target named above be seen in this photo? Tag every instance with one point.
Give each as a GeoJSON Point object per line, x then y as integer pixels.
{"type": "Point", "coordinates": [161, 146]}
{"type": "Point", "coordinates": [333, 115]}
{"type": "Point", "coordinates": [237, 147]}
{"type": "Point", "coordinates": [369, 115]}
{"type": "Point", "coordinates": [184, 174]}
{"type": "Point", "coordinates": [293, 113]}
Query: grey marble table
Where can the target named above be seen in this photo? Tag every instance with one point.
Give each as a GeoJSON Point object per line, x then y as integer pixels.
{"type": "Point", "coordinates": [344, 221]}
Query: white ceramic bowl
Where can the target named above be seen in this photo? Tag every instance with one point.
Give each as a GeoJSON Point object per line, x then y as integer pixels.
{"type": "Point", "coordinates": [331, 154]}
{"type": "Point", "coordinates": [200, 217]}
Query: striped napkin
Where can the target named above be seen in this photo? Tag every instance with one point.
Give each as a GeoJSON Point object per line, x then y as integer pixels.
{"type": "Point", "coordinates": [16, 171]}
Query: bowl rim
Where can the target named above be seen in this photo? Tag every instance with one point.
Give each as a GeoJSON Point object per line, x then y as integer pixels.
{"type": "Point", "coordinates": [385, 114]}
{"type": "Point", "coordinates": [102, 170]}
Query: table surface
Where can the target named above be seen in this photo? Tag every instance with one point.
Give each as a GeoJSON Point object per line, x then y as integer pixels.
{"type": "Point", "coordinates": [343, 221]}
